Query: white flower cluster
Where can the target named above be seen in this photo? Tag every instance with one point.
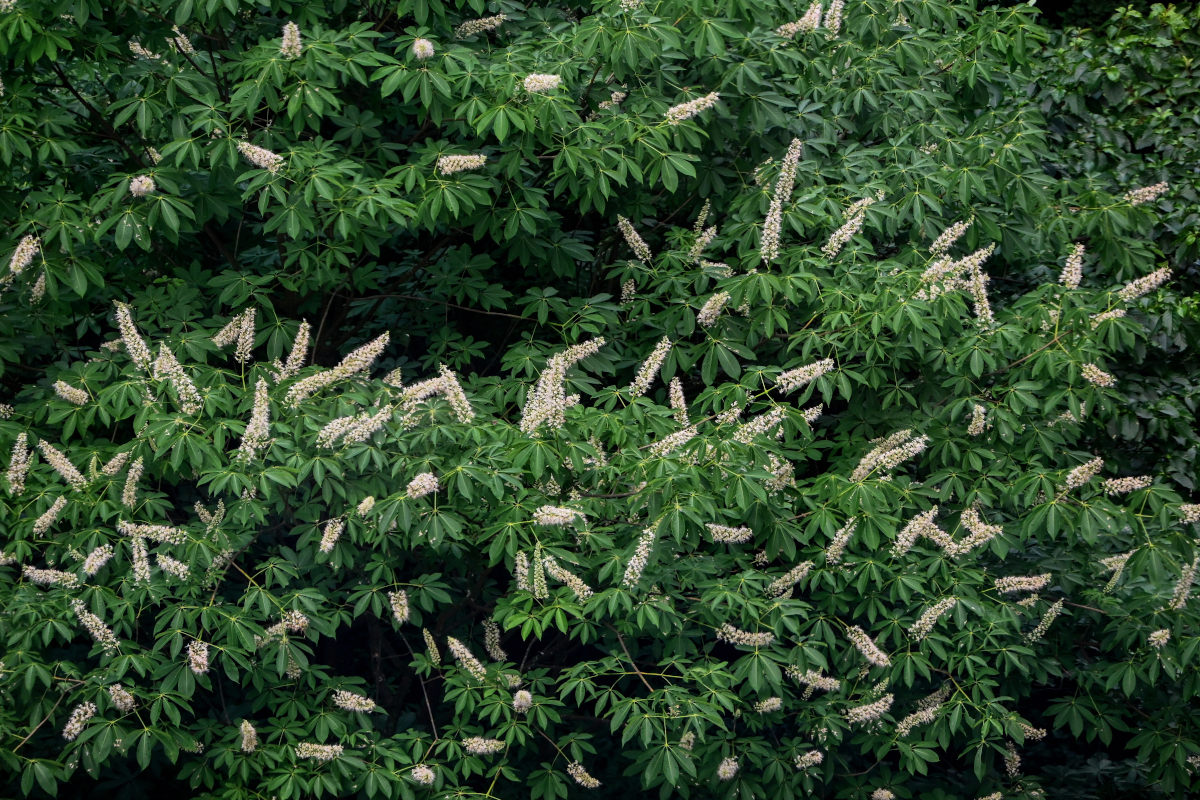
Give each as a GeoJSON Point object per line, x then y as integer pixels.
{"type": "Point", "coordinates": [96, 559]}
{"type": "Point", "coordinates": [980, 533]}
{"type": "Point", "coordinates": [358, 360]}
{"type": "Point", "coordinates": [639, 560]}
{"type": "Point", "coordinates": [1145, 194]}
{"type": "Point", "coordinates": [1082, 474]}
{"type": "Point", "coordinates": [948, 237]}
{"type": "Point", "coordinates": [703, 240]}
{"type": "Point", "coordinates": [556, 516]}
{"type": "Point", "coordinates": [650, 367]}
{"type": "Point", "coordinates": [474, 26]}
{"type": "Point", "coordinates": [142, 186]}
{"type": "Point", "coordinates": [889, 453]}
{"type": "Point", "coordinates": [422, 774]}
{"type": "Point", "coordinates": [44, 522]}
{"type": "Point", "coordinates": [435, 656]}
{"type": "Point", "coordinates": [727, 770]}
{"type": "Point", "coordinates": [166, 534]}
{"type": "Point", "coordinates": [354, 428]}
{"type": "Point", "coordinates": [813, 680]}
{"type": "Point", "coordinates": [1158, 639]}
{"type": "Point", "coordinates": [167, 367]}
{"type": "Point", "coordinates": [636, 243]}
{"type": "Point", "coordinates": [139, 353]}
{"type": "Point", "coordinates": [240, 329]}
{"type": "Point", "coordinates": [728, 633]}
{"type": "Point", "coordinates": [800, 377]}
{"type": "Point", "coordinates": [257, 433]}
{"type": "Point", "coordinates": [841, 538]}
{"type": "Point", "coordinates": [921, 525]}
{"type": "Point", "coordinates": [540, 82]}
{"type": "Point", "coordinates": [399, 603]}
{"type": "Point", "coordinates": [365, 506]}
{"type": "Point", "coordinates": [1013, 584]}
{"type": "Point", "coordinates": [677, 400]}
{"type": "Point", "coordinates": [172, 566]}
{"type": "Point", "coordinates": [806, 24]}
{"type": "Point", "coordinates": [422, 49]}
{"type": "Point", "coordinates": [349, 701]}
{"type": "Point", "coordinates": [926, 621]}
{"type": "Point", "coordinates": [769, 705]}
{"type": "Point", "coordinates": [18, 464]}
{"type": "Point", "coordinates": [478, 746]}
{"type": "Point", "coordinates": [727, 535]}
{"type": "Point", "coordinates": [331, 534]}
{"type": "Point", "coordinates": [1114, 486]}
{"type": "Point", "coordinates": [114, 465]}
{"type": "Point", "coordinates": [684, 111]}
{"type": "Point", "coordinates": [614, 99]}
{"type": "Point", "coordinates": [49, 577]}
{"type": "Point", "coordinates": [249, 737]}
{"type": "Point", "coordinates": [869, 712]}
{"type": "Point", "coordinates": [672, 442]}
{"type": "Point", "coordinates": [1189, 512]}
{"type": "Point", "coordinates": [290, 46]}
{"type": "Point", "coordinates": [140, 560]}
{"type": "Point", "coordinates": [855, 217]}
{"type": "Point", "coordinates": [318, 752]}
{"type": "Point", "coordinates": [1115, 565]}
{"type": "Point", "coordinates": [445, 384]}
{"type": "Point", "coordinates": [139, 51]}
{"type": "Point", "coordinates": [62, 465]}
{"type": "Point", "coordinates": [78, 720]}
{"type": "Point", "coordinates": [95, 626]}
{"type": "Point", "coordinates": [421, 485]}
{"type": "Point", "coordinates": [1105, 316]}
{"type": "Point", "coordinates": [581, 776]}
{"type": "Point", "coordinates": [580, 589]}
{"type": "Point", "coordinates": [1072, 273]}
{"type": "Point", "coordinates": [1097, 377]}
{"type": "Point", "coordinates": [978, 420]}
{"type": "Point", "coordinates": [773, 227]}
{"type": "Point", "coordinates": [1143, 285]}
{"type": "Point", "coordinates": [922, 716]}
{"type": "Point", "coordinates": [547, 403]}
{"type": "Point", "coordinates": [785, 582]}
{"type": "Point", "coordinates": [261, 158]}
{"type": "Point", "coordinates": [1046, 620]}
{"type": "Point", "coordinates": [197, 656]}
{"type": "Point", "coordinates": [296, 356]}
{"type": "Point", "coordinates": [180, 42]}
{"type": "Point", "coordinates": [866, 645]}
{"type": "Point", "coordinates": [26, 250]}
{"type": "Point", "coordinates": [121, 698]}
{"type": "Point", "coordinates": [522, 701]}
{"type": "Point", "coordinates": [130, 489]}
{"type": "Point", "coordinates": [711, 310]}
{"type": "Point", "coordinates": [833, 18]}
{"type": "Point", "coordinates": [448, 165]}
{"type": "Point", "coordinates": [491, 641]}
{"type": "Point", "coordinates": [468, 661]}
{"type": "Point", "coordinates": [760, 425]}
{"type": "Point", "coordinates": [810, 759]}
{"type": "Point", "coordinates": [1183, 587]}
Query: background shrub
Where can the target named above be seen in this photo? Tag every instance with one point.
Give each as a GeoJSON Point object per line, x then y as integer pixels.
{"type": "Point", "coordinates": [671, 397]}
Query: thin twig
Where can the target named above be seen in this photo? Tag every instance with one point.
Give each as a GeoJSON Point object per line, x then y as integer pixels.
{"type": "Point", "coordinates": [45, 719]}
{"type": "Point", "coordinates": [621, 639]}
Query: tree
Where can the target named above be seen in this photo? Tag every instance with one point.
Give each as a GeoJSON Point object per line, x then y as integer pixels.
{"type": "Point", "coordinates": [785, 471]}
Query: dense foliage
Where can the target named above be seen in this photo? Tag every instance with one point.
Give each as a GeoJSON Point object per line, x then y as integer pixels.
{"type": "Point", "coordinates": [707, 399]}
